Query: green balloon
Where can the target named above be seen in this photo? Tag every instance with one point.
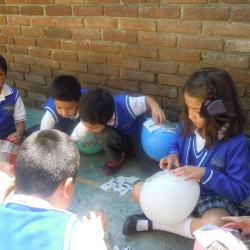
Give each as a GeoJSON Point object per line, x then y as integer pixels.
{"type": "Point", "coordinates": [89, 144]}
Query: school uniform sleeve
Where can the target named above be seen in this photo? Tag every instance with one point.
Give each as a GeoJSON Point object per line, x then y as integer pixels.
{"type": "Point", "coordinates": [79, 132]}
{"type": "Point", "coordinates": [48, 121]}
{"type": "Point", "coordinates": [19, 110]}
{"type": "Point", "coordinates": [234, 185]}
{"type": "Point", "coordinates": [138, 105]}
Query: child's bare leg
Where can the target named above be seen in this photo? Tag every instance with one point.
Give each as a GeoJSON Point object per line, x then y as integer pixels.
{"type": "Point", "coordinates": [212, 216]}
{"type": "Point", "coordinates": [136, 191]}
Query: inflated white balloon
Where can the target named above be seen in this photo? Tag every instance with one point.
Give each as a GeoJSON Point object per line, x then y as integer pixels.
{"type": "Point", "coordinates": [168, 199]}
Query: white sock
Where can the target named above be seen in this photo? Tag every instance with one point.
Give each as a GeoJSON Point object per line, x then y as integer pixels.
{"type": "Point", "coordinates": [182, 228]}
{"type": "Point", "coordinates": [142, 225]}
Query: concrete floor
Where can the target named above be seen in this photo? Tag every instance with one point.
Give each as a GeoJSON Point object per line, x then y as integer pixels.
{"type": "Point", "coordinates": [89, 196]}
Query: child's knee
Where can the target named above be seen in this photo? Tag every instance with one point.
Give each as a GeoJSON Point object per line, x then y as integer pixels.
{"type": "Point", "coordinates": [136, 191]}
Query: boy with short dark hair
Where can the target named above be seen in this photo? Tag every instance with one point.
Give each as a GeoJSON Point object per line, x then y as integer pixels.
{"type": "Point", "coordinates": [35, 217]}
{"type": "Point", "coordinates": [12, 110]}
{"type": "Point", "coordinates": [117, 122]}
{"type": "Point", "coordinates": [62, 107]}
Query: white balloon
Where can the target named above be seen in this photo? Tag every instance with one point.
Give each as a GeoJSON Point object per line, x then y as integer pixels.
{"type": "Point", "coordinates": [168, 199]}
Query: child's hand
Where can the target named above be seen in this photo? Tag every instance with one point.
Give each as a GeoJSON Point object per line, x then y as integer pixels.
{"type": "Point", "coordinates": [235, 222]}
{"type": "Point", "coordinates": [7, 185]}
{"type": "Point", "coordinates": [158, 114]}
{"type": "Point", "coordinates": [190, 172]}
{"type": "Point", "coordinates": [169, 161]}
{"type": "Point", "coordinates": [15, 138]}
{"type": "Point", "coordinates": [95, 223]}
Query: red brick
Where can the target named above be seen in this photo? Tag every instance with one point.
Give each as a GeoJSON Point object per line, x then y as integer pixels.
{"type": "Point", "coordinates": [34, 78]}
{"type": "Point", "coordinates": [241, 14]}
{"type": "Point", "coordinates": [140, 1]}
{"type": "Point", "coordinates": [103, 69]}
{"type": "Point", "coordinates": [17, 50]}
{"type": "Point", "coordinates": [172, 80]}
{"type": "Point", "coordinates": [138, 24]}
{"type": "Point", "coordinates": [75, 45]}
{"type": "Point", "coordinates": [121, 11]}
{"type": "Point", "coordinates": [103, 1]}
{"type": "Point", "coordinates": [179, 55]}
{"type": "Point", "coordinates": [160, 12]}
{"type": "Point", "coordinates": [24, 59]}
{"type": "Point", "coordinates": [28, 41]}
{"type": "Point", "coordinates": [231, 1]}
{"type": "Point", "coordinates": [58, 33]}
{"type": "Point", "coordinates": [69, 1]}
{"type": "Point", "coordinates": [92, 58]}
{"type": "Point", "coordinates": [42, 71]}
{"type": "Point", "coordinates": [84, 10]}
{"type": "Point", "coordinates": [3, 48]}
{"type": "Point", "coordinates": [227, 29]}
{"type": "Point", "coordinates": [47, 63]}
{"type": "Point", "coordinates": [19, 20]}
{"type": "Point", "coordinates": [188, 68]}
{"type": "Point", "coordinates": [206, 13]}
{"type": "Point", "coordinates": [23, 84]}
{"type": "Point", "coordinates": [141, 52]}
{"type": "Point", "coordinates": [125, 85]}
{"type": "Point", "coordinates": [37, 52]}
{"type": "Point", "coordinates": [9, 10]}
{"type": "Point", "coordinates": [16, 2]}
{"type": "Point", "coordinates": [148, 89]}
{"type": "Point", "coordinates": [69, 23]}
{"type": "Point", "coordinates": [159, 67]}
{"type": "Point", "coordinates": [62, 55]}
{"type": "Point", "coordinates": [31, 31]}
{"type": "Point", "coordinates": [31, 10]}
{"type": "Point", "coordinates": [102, 47]}
{"type": "Point", "coordinates": [123, 62]}
{"type": "Point", "coordinates": [37, 96]}
{"type": "Point", "coordinates": [120, 36]}
{"type": "Point", "coordinates": [3, 20]}
{"type": "Point", "coordinates": [201, 43]}
{"type": "Point", "coordinates": [185, 1]}
{"type": "Point", "coordinates": [226, 60]}
{"type": "Point", "coordinates": [11, 30]}
{"type": "Point", "coordinates": [185, 27]}
{"type": "Point", "coordinates": [85, 34]}
{"type": "Point", "coordinates": [6, 39]}
{"type": "Point", "coordinates": [48, 43]}
{"type": "Point", "coordinates": [240, 76]}
{"type": "Point", "coordinates": [91, 79]}
{"type": "Point", "coordinates": [43, 22]}
{"type": "Point", "coordinates": [158, 39]}
{"type": "Point", "coordinates": [238, 45]}
{"type": "Point", "coordinates": [137, 75]}
{"type": "Point", "coordinates": [106, 23]}
{"type": "Point", "coordinates": [58, 10]}
{"type": "Point", "coordinates": [74, 66]}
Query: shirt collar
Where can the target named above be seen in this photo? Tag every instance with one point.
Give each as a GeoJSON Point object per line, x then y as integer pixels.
{"type": "Point", "coordinates": [5, 92]}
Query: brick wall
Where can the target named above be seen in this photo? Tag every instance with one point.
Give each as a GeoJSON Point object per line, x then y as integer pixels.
{"type": "Point", "coordinates": [137, 46]}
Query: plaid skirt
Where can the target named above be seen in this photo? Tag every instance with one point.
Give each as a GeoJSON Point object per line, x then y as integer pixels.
{"type": "Point", "coordinates": [208, 202]}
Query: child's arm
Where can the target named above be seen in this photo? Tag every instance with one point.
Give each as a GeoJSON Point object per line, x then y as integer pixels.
{"type": "Point", "coordinates": [17, 136]}
{"type": "Point", "coordinates": [79, 132]}
{"type": "Point", "coordinates": [48, 121]}
{"type": "Point", "coordinates": [157, 113]}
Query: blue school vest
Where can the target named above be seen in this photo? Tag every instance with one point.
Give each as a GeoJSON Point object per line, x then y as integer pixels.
{"type": "Point", "coordinates": [23, 227]}
{"type": "Point", "coordinates": [125, 120]}
{"type": "Point", "coordinates": [7, 107]}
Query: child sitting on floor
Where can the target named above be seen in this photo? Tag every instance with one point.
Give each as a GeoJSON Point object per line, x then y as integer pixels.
{"type": "Point", "coordinates": [211, 148]}
{"type": "Point", "coordinates": [12, 110]}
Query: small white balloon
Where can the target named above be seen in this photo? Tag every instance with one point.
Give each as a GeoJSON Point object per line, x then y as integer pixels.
{"type": "Point", "coordinates": [168, 199]}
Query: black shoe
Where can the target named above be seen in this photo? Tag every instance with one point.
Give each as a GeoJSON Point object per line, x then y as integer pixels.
{"type": "Point", "coordinates": [129, 226]}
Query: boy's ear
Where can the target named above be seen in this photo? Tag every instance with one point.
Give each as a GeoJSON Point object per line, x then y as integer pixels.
{"type": "Point", "coordinates": [69, 187]}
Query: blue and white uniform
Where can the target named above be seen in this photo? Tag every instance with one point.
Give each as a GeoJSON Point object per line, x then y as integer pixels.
{"type": "Point", "coordinates": [52, 119]}
{"type": "Point", "coordinates": [227, 165]}
{"type": "Point", "coordinates": [127, 118]}
{"type": "Point", "coordinates": [31, 223]}
{"type": "Point", "coordinates": [12, 110]}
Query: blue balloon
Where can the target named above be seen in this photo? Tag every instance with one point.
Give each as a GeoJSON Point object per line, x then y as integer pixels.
{"type": "Point", "coordinates": [89, 144]}
{"type": "Point", "coordinates": [156, 139]}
